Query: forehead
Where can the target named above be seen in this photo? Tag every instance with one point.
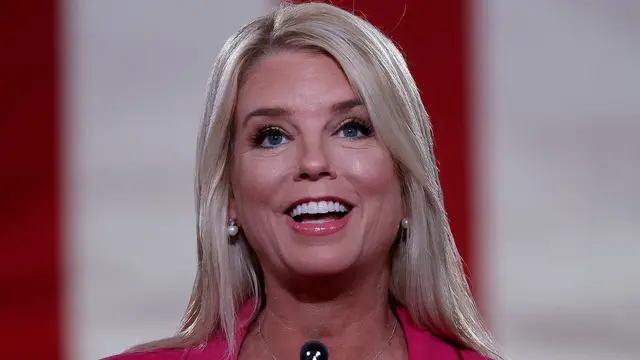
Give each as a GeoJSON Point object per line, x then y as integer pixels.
{"type": "Point", "coordinates": [298, 81]}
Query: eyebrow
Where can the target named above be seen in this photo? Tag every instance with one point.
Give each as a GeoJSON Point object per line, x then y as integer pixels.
{"type": "Point", "coordinates": [345, 106]}
{"type": "Point", "coordinates": [268, 112]}
{"type": "Point", "coordinates": [275, 112]}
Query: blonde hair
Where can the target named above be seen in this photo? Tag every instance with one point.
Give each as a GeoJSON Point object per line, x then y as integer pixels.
{"type": "Point", "coordinates": [427, 276]}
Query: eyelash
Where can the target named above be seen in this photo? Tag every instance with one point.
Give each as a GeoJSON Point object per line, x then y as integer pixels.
{"type": "Point", "coordinates": [267, 130]}
{"type": "Point", "coordinates": [270, 130]}
{"type": "Point", "coordinates": [362, 125]}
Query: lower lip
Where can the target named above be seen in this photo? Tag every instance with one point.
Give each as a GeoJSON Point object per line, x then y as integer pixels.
{"type": "Point", "coordinates": [323, 229]}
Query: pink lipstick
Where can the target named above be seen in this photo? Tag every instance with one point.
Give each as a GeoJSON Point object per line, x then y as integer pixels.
{"type": "Point", "coordinates": [318, 228]}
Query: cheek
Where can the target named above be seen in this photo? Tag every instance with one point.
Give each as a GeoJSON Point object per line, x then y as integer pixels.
{"type": "Point", "coordinates": [373, 177]}
{"type": "Point", "coordinates": [257, 180]}
{"type": "Point", "coordinates": [371, 171]}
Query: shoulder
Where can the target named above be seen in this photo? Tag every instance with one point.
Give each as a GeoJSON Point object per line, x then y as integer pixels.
{"type": "Point", "coordinates": [471, 355]}
{"type": "Point", "coordinates": [213, 350]}
{"type": "Point", "coordinates": [161, 354]}
{"type": "Point", "coordinates": [422, 344]}
{"type": "Point", "coordinates": [437, 348]}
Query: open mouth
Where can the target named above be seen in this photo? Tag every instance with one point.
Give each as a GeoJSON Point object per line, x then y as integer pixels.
{"type": "Point", "coordinates": [318, 212]}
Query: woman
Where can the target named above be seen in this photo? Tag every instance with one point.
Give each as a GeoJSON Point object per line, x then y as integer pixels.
{"type": "Point", "coordinates": [320, 213]}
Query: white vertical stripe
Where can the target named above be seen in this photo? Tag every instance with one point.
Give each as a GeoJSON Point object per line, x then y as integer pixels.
{"type": "Point", "coordinates": [136, 78]}
{"type": "Point", "coordinates": [560, 133]}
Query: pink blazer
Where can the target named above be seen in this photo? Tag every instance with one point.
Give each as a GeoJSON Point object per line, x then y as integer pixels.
{"type": "Point", "coordinates": [421, 344]}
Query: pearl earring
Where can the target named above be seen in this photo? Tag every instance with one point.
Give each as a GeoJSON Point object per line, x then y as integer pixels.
{"type": "Point", "coordinates": [405, 223]}
{"type": "Point", "coordinates": [232, 228]}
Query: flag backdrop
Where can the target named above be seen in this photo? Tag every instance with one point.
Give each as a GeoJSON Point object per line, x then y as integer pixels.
{"type": "Point", "coordinates": [534, 106]}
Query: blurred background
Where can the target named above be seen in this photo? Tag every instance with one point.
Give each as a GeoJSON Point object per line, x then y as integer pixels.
{"type": "Point", "coordinates": [536, 117]}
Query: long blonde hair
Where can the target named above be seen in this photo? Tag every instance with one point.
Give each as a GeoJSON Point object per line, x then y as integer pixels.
{"type": "Point", "coordinates": [427, 276]}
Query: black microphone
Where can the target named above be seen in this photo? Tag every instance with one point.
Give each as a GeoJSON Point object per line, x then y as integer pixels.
{"type": "Point", "coordinates": [314, 350]}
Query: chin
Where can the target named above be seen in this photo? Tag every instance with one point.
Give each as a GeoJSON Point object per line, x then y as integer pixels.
{"type": "Point", "coordinates": [322, 260]}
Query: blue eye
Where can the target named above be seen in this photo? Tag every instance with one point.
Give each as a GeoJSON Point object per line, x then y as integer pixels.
{"type": "Point", "coordinates": [270, 137]}
{"type": "Point", "coordinates": [354, 129]}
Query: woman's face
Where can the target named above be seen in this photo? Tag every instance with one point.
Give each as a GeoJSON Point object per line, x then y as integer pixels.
{"type": "Point", "coordinates": [314, 190]}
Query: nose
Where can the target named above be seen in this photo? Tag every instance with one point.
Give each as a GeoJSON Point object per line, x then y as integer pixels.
{"type": "Point", "coordinates": [313, 162]}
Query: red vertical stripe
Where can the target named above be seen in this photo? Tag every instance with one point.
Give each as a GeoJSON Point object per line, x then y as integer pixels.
{"type": "Point", "coordinates": [434, 36]}
{"type": "Point", "coordinates": [29, 167]}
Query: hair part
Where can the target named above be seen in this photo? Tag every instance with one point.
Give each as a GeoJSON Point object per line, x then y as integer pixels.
{"type": "Point", "coordinates": [427, 275]}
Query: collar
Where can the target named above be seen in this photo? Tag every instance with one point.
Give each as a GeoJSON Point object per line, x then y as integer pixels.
{"type": "Point", "coordinates": [421, 344]}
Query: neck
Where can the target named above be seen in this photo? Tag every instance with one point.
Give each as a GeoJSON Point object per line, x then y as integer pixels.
{"type": "Point", "coordinates": [352, 318]}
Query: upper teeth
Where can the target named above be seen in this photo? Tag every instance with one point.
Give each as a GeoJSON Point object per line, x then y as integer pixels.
{"type": "Point", "coordinates": [319, 207]}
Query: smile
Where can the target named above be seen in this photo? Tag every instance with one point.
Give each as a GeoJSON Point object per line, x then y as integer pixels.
{"type": "Point", "coordinates": [319, 217]}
